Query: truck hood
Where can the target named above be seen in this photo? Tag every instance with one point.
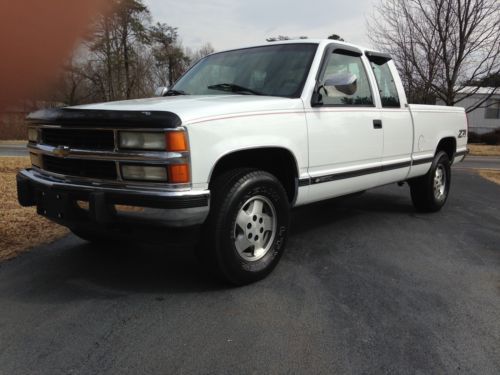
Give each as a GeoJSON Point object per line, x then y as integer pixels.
{"type": "Point", "coordinates": [192, 109]}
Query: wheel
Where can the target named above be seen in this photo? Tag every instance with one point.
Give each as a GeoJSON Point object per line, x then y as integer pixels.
{"type": "Point", "coordinates": [247, 228]}
{"type": "Point", "coordinates": [429, 192]}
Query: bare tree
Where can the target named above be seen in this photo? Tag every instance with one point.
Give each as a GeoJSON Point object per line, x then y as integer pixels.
{"type": "Point", "coordinates": [116, 47]}
{"type": "Point", "coordinates": [131, 17]}
{"type": "Point", "coordinates": [440, 46]}
{"type": "Point", "coordinates": [201, 52]}
{"type": "Point", "coordinates": [123, 57]}
{"type": "Point", "coordinates": [71, 85]}
{"type": "Point", "coordinates": [171, 61]}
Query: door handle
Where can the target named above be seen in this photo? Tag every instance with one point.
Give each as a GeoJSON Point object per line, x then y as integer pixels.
{"type": "Point", "coordinates": [377, 124]}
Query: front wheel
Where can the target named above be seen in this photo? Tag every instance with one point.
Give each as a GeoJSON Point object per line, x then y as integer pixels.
{"type": "Point", "coordinates": [248, 226]}
{"type": "Point", "coordinates": [430, 192]}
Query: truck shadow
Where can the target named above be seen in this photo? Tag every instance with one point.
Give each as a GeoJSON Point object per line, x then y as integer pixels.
{"type": "Point", "coordinates": [334, 211]}
{"type": "Point", "coordinates": [71, 269]}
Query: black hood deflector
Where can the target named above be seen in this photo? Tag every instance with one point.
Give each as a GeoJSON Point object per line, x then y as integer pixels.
{"type": "Point", "coordinates": [105, 118]}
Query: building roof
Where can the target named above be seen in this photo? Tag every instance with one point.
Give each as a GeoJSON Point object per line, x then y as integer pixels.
{"type": "Point", "coordinates": [479, 90]}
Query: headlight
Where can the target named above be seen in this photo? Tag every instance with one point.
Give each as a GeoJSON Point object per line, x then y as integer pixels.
{"type": "Point", "coordinates": [142, 141]}
{"type": "Point", "coordinates": [144, 173]}
{"type": "Point", "coordinates": [33, 135]}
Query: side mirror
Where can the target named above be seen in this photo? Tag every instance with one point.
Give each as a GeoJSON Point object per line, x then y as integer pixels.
{"type": "Point", "coordinates": [161, 91]}
{"type": "Point", "coordinates": [346, 83]}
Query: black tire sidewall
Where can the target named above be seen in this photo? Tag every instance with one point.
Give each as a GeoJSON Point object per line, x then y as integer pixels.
{"type": "Point", "coordinates": [236, 268]}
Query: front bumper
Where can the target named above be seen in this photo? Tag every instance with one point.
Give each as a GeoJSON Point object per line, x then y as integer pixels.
{"type": "Point", "coordinates": [114, 206]}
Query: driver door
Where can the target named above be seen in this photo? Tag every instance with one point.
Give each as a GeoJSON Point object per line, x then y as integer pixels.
{"type": "Point", "coordinates": [345, 133]}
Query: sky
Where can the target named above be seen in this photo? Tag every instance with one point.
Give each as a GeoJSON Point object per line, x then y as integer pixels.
{"type": "Point", "coordinates": [236, 23]}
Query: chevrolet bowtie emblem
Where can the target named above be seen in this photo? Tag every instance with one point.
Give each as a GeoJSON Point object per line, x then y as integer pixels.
{"type": "Point", "coordinates": [62, 151]}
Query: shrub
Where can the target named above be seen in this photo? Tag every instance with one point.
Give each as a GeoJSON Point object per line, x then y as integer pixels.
{"type": "Point", "coordinates": [474, 137]}
{"type": "Point", "coordinates": [12, 126]}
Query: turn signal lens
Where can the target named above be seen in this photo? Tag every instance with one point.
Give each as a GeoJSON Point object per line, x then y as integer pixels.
{"type": "Point", "coordinates": [178, 173]}
{"type": "Point", "coordinates": [176, 141]}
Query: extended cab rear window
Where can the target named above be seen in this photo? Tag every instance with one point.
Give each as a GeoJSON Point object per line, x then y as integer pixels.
{"type": "Point", "coordinates": [385, 81]}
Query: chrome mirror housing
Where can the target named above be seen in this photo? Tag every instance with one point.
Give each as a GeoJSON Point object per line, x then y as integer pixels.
{"type": "Point", "coordinates": [161, 91]}
{"type": "Point", "coordinates": [346, 83]}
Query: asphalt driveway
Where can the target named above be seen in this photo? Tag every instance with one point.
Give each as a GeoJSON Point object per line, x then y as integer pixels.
{"type": "Point", "coordinates": [474, 162]}
{"type": "Point", "coordinates": [13, 149]}
{"type": "Point", "coordinates": [366, 286]}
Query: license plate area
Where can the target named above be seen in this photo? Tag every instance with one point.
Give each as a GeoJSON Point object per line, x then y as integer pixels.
{"type": "Point", "coordinates": [53, 205]}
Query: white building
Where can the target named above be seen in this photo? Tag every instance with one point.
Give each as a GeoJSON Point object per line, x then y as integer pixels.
{"type": "Point", "coordinates": [487, 117]}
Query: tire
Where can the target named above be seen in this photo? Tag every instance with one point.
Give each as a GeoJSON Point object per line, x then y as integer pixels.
{"type": "Point", "coordinates": [430, 192]}
{"type": "Point", "coordinates": [247, 228]}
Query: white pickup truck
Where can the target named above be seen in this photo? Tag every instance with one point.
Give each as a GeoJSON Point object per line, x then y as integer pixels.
{"type": "Point", "coordinates": [242, 138]}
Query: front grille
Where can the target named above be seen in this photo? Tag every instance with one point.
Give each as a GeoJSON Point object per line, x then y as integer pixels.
{"type": "Point", "coordinates": [98, 169]}
{"type": "Point", "coordinates": [78, 138]}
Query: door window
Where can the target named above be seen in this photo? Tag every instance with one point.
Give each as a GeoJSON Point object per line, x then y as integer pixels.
{"type": "Point", "coordinates": [346, 69]}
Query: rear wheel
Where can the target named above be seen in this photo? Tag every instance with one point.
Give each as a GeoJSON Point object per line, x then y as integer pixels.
{"type": "Point", "coordinates": [430, 192]}
{"type": "Point", "coordinates": [247, 227]}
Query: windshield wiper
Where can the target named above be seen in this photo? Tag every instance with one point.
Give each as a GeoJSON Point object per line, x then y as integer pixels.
{"type": "Point", "coordinates": [233, 88]}
{"type": "Point", "coordinates": [172, 92]}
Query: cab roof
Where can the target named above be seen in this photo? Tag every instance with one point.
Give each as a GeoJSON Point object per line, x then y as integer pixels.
{"type": "Point", "coordinates": [320, 42]}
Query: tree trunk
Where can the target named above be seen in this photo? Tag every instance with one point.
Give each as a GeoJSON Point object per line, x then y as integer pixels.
{"type": "Point", "coordinates": [126, 57]}
{"type": "Point", "coordinates": [109, 61]}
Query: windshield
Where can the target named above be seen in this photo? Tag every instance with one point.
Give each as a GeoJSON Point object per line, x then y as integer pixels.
{"type": "Point", "coordinates": [277, 70]}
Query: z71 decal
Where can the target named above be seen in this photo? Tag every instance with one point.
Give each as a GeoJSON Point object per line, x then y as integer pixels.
{"type": "Point", "coordinates": [462, 133]}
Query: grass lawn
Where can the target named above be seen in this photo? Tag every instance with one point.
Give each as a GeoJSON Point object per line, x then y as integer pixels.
{"type": "Point", "coordinates": [491, 175]}
{"type": "Point", "coordinates": [14, 142]}
{"type": "Point", "coordinates": [20, 227]}
{"type": "Point", "coordinates": [483, 150]}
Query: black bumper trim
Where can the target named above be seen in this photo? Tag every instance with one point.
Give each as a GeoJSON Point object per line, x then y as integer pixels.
{"type": "Point", "coordinates": [27, 196]}
{"type": "Point", "coordinates": [423, 161]}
